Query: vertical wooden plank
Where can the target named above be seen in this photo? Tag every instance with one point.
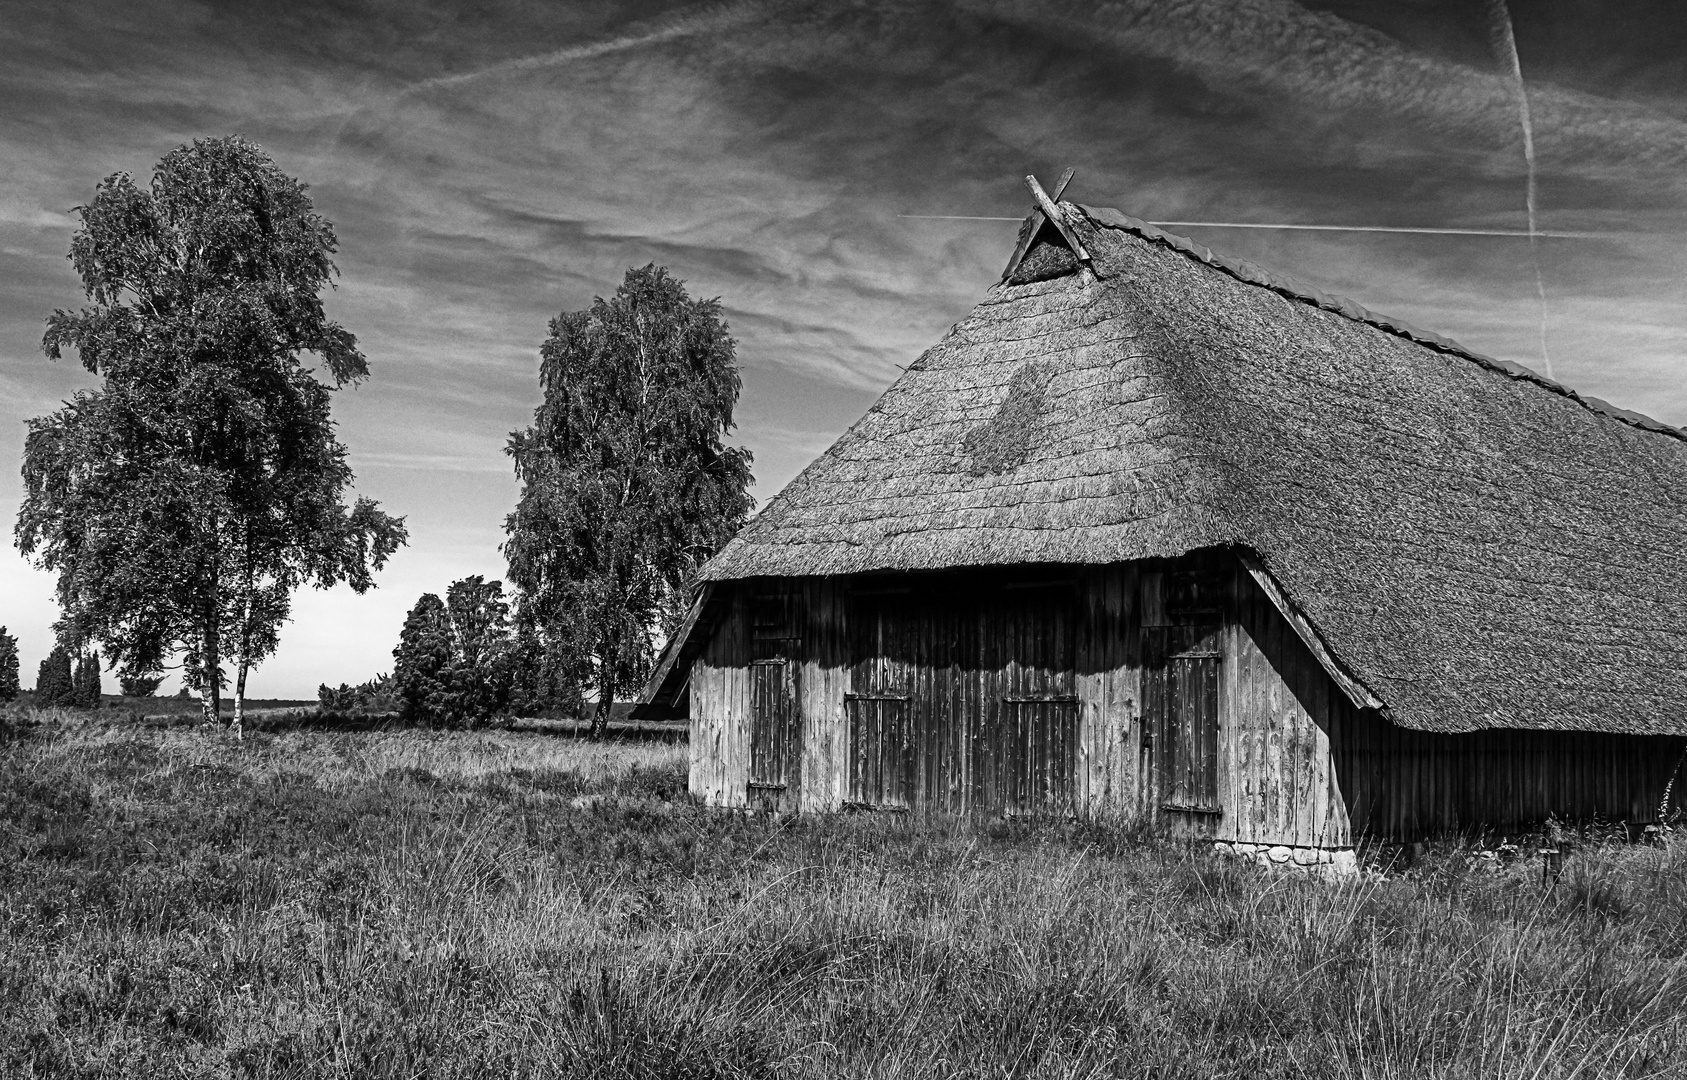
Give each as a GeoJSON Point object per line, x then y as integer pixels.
{"type": "Point", "coordinates": [1115, 729]}
{"type": "Point", "coordinates": [735, 711]}
{"type": "Point", "coordinates": [1085, 680]}
{"type": "Point", "coordinates": [990, 708]}
{"type": "Point", "coordinates": [1207, 747]}
{"type": "Point", "coordinates": [1111, 719]}
{"type": "Point", "coordinates": [1128, 690]}
{"type": "Point", "coordinates": [1271, 744]}
{"type": "Point", "coordinates": [1336, 821]}
{"type": "Point", "coordinates": [1239, 650]}
{"type": "Point", "coordinates": [1184, 717]}
{"type": "Point", "coordinates": [1241, 711]}
{"type": "Point", "coordinates": [1314, 827]}
{"type": "Point", "coordinates": [1264, 677]}
{"type": "Point", "coordinates": [1014, 666]}
{"type": "Point", "coordinates": [874, 740]}
{"type": "Point", "coordinates": [1232, 639]}
{"type": "Point", "coordinates": [820, 710]}
{"type": "Point", "coordinates": [842, 676]}
{"type": "Point", "coordinates": [1154, 722]}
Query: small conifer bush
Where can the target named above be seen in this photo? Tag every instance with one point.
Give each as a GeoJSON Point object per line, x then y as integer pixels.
{"type": "Point", "coordinates": [8, 666]}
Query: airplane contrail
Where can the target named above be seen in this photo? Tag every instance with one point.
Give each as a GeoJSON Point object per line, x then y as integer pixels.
{"type": "Point", "coordinates": [1505, 42]}
{"type": "Point", "coordinates": [714, 18]}
{"type": "Point", "coordinates": [1521, 233]}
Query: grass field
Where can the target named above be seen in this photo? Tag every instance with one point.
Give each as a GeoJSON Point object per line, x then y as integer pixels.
{"type": "Point", "coordinates": [409, 904]}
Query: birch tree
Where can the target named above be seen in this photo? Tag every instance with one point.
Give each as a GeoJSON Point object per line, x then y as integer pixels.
{"type": "Point", "coordinates": [184, 501]}
{"type": "Point", "coordinates": [626, 484]}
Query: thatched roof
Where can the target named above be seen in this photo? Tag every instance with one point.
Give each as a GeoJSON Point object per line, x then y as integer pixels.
{"type": "Point", "coordinates": [1479, 546]}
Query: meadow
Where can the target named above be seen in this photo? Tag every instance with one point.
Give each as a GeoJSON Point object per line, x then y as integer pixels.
{"type": "Point", "coordinates": [399, 903]}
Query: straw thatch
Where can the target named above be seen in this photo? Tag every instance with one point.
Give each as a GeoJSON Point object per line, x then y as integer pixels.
{"type": "Point", "coordinates": [1480, 547]}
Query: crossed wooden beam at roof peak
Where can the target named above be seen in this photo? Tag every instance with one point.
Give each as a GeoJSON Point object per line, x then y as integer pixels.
{"type": "Point", "coordinates": [1048, 210]}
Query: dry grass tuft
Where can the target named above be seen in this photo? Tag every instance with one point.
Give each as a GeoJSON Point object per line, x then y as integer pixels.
{"type": "Point", "coordinates": [409, 904]}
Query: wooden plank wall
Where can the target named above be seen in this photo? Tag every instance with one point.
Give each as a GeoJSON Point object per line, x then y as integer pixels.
{"type": "Point", "coordinates": [1410, 785]}
{"type": "Point", "coordinates": [988, 661]}
{"type": "Point", "coordinates": [1299, 764]}
{"type": "Point", "coordinates": [720, 710]}
{"type": "Point", "coordinates": [821, 684]}
{"type": "Point", "coordinates": [1277, 781]}
{"type": "Point", "coordinates": [1109, 691]}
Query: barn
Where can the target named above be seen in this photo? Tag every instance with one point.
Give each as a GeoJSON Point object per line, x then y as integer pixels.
{"type": "Point", "coordinates": [1162, 537]}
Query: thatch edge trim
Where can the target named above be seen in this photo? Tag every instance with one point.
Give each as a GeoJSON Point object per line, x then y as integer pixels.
{"type": "Point", "coordinates": [1357, 692]}
{"type": "Point", "coordinates": [1254, 274]}
{"type": "Point", "coordinates": [658, 696]}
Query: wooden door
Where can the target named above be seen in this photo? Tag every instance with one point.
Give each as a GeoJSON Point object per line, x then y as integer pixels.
{"type": "Point", "coordinates": [963, 695]}
{"type": "Point", "coordinates": [775, 721]}
{"type": "Point", "coordinates": [1181, 679]}
{"type": "Point", "coordinates": [890, 646]}
{"type": "Point", "coordinates": [1031, 734]}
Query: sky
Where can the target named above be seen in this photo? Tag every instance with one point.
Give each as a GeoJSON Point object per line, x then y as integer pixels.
{"type": "Point", "coordinates": [490, 165]}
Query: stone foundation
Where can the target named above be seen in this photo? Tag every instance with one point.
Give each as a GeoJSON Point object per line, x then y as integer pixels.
{"type": "Point", "coordinates": [1324, 862]}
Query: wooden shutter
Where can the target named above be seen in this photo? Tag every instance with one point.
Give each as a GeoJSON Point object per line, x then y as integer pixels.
{"type": "Point", "coordinates": [775, 721]}
{"type": "Point", "coordinates": [1189, 742]}
{"type": "Point", "coordinates": [882, 753]}
{"type": "Point", "coordinates": [1181, 697]}
{"type": "Point", "coordinates": [1042, 755]}
{"type": "Point", "coordinates": [773, 716]}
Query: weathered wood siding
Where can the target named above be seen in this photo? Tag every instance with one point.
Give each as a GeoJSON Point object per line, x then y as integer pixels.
{"type": "Point", "coordinates": [962, 694]}
{"type": "Point", "coordinates": [720, 710]}
{"type": "Point", "coordinates": [823, 682]}
{"type": "Point", "coordinates": [1002, 693]}
{"type": "Point", "coordinates": [1109, 690]}
{"type": "Point", "coordinates": [1215, 644]}
{"type": "Point", "coordinates": [1279, 707]}
{"type": "Point", "coordinates": [1047, 690]}
{"type": "Point", "coordinates": [1413, 784]}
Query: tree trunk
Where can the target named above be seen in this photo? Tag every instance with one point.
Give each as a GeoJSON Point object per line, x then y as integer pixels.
{"type": "Point", "coordinates": [210, 671]}
{"type": "Point", "coordinates": [240, 701]}
{"type": "Point", "coordinates": [245, 658]}
{"type": "Point", "coordinates": [605, 703]}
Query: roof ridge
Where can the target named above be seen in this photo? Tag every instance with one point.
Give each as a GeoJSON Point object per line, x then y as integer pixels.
{"type": "Point", "coordinates": [1254, 274]}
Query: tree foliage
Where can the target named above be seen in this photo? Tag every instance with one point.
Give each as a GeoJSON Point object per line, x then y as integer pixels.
{"type": "Point", "coordinates": [54, 682]}
{"type": "Point", "coordinates": [86, 683]}
{"type": "Point", "coordinates": [422, 661]}
{"type": "Point", "coordinates": [184, 501]}
{"type": "Point", "coordinates": [374, 695]}
{"type": "Point", "coordinates": [139, 686]}
{"type": "Point", "coordinates": [455, 659]}
{"type": "Point", "coordinates": [627, 486]}
{"type": "Point", "coordinates": [8, 666]}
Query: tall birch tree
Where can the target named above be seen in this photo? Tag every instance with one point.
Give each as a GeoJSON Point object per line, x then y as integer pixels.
{"type": "Point", "coordinates": [184, 501]}
{"type": "Point", "coordinates": [626, 484]}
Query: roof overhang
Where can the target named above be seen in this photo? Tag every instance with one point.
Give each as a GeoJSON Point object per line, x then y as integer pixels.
{"type": "Point", "coordinates": [1356, 692]}
{"type": "Point", "coordinates": [665, 694]}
